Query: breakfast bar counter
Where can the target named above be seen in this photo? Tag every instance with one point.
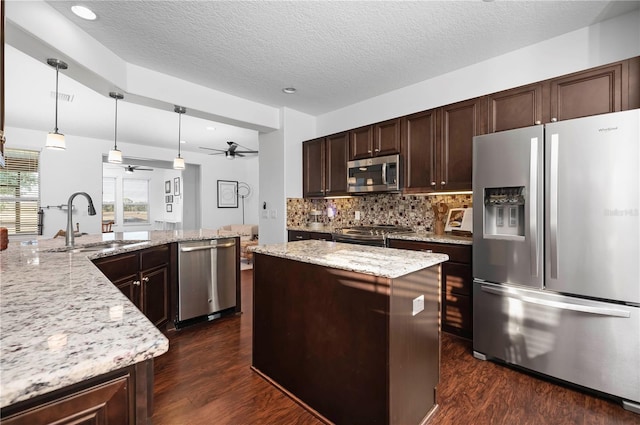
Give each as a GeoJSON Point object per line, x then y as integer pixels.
{"type": "Point", "coordinates": [350, 332]}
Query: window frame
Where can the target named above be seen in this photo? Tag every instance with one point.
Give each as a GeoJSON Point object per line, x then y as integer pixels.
{"type": "Point", "coordinates": [22, 161]}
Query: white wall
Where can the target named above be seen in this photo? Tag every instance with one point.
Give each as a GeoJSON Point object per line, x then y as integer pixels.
{"type": "Point", "coordinates": [281, 172]}
{"type": "Point", "coordinates": [79, 169]}
{"type": "Point", "coordinates": [599, 44]}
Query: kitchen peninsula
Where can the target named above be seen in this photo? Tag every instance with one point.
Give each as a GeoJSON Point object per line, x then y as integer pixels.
{"type": "Point", "coordinates": [349, 331]}
{"type": "Point", "coordinates": [72, 345]}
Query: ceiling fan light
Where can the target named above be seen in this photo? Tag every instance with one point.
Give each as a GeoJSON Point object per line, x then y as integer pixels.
{"type": "Point", "coordinates": [178, 163]}
{"type": "Point", "coordinates": [55, 141]}
{"type": "Point", "coordinates": [115, 156]}
{"type": "Point", "coordinates": [228, 155]}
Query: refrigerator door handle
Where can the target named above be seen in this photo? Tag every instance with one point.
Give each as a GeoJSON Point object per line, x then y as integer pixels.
{"type": "Point", "coordinates": [553, 206]}
{"type": "Point", "coordinates": [557, 304]}
{"type": "Point", "coordinates": [533, 207]}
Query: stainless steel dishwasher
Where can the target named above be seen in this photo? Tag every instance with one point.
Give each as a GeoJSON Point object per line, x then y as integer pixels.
{"type": "Point", "coordinates": [206, 277]}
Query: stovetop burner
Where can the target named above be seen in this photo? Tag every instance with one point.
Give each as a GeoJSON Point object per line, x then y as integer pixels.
{"type": "Point", "coordinates": [368, 235]}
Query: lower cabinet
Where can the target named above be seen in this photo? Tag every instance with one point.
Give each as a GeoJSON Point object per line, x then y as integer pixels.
{"type": "Point", "coordinates": [116, 398]}
{"type": "Point", "coordinates": [144, 277]}
{"type": "Point", "coordinates": [456, 309]}
{"type": "Point", "coordinates": [301, 235]}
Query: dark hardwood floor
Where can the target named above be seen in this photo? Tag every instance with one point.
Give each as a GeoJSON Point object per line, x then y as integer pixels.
{"type": "Point", "coordinates": [205, 379]}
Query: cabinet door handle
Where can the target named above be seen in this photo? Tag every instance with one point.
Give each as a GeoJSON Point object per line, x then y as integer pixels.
{"type": "Point", "coordinates": [554, 119]}
{"type": "Point", "coordinates": [145, 279]}
{"type": "Point", "coordinates": [433, 183]}
{"type": "Point", "coordinates": [428, 251]}
{"type": "Point", "coordinates": [299, 237]}
{"type": "Point", "coordinates": [136, 282]}
{"type": "Point", "coordinates": [369, 151]}
{"type": "Point", "coordinates": [377, 150]}
{"type": "Point", "coordinates": [443, 182]}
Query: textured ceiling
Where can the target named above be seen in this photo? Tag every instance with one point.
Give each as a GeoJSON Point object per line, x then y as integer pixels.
{"type": "Point", "coordinates": [335, 53]}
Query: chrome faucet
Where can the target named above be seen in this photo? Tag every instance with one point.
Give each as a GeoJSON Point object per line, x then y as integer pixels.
{"type": "Point", "coordinates": [69, 237]}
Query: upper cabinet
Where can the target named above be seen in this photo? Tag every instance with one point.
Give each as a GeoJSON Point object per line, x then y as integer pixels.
{"type": "Point", "coordinates": [375, 140]}
{"type": "Point", "coordinates": [610, 88]}
{"type": "Point", "coordinates": [324, 166]}
{"type": "Point", "coordinates": [595, 91]}
{"type": "Point", "coordinates": [419, 150]}
{"type": "Point", "coordinates": [515, 108]}
{"type": "Point", "coordinates": [437, 146]}
{"type": "Point", "coordinates": [459, 123]}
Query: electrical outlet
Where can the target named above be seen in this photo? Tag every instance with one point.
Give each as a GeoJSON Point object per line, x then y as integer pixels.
{"type": "Point", "coordinates": [418, 304]}
{"type": "Point", "coordinates": [272, 213]}
{"type": "Point", "coordinates": [265, 214]}
{"type": "Point", "coordinates": [357, 215]}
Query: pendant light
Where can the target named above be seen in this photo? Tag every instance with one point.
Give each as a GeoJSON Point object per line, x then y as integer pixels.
{"type": "Point", "coordinates": [115, 156]}
{"type": "Point", "coordinates": [178, 162]}
{"type": "Point", "coordinates": [55, 140]}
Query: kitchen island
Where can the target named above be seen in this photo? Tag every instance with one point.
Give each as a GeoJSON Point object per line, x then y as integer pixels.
{"type": "Point", "coordinates": [69, 337]}
{"type": "Point", "coordinates": [349, 331]}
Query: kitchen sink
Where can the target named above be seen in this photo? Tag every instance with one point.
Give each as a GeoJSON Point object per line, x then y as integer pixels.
{"type": "Point", "coordinates": [101, 246]}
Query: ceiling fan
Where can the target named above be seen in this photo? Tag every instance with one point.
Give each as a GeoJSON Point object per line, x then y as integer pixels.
{"type": "Point", "coordinates": [232, 151]}
{"type": "Point", "coordinates": [129, 169]}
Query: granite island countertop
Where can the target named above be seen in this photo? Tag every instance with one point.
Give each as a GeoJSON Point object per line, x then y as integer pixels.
{"type": "Point", "coordinates": [62, 321]}
{"type": "Point", "coordinates": [377, 261]}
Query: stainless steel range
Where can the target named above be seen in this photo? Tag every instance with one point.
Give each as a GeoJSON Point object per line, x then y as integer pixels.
{"type": "Point", "coordinates": [369, 235]}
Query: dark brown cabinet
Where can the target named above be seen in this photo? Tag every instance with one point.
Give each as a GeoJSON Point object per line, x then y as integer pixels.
{"type": "Point", "coordinates": [438, 146]}
{"type": "Point", "coordinates": [144, 277]}
{"type": "Point", "coordinates": [375, 140]}
{"type": "Point", "coordinates": [595, 91]}
{"type": "Point", "coordinates": [609, 88]}
{"type": "Point", "coordinates": [456, 309]}
{"type": "Point", "coordinates": [301, 235]}
{"type": "Point", "coordinates": [122, 397]}
{"type": "Point", "coordinates": [324, 166]}
{"type": "Point", "coordinates": [515, 108]}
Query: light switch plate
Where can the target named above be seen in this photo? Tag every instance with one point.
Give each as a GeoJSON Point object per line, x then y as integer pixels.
{"type": "Point", "coordinates": [265, 214]}
{"type": "Point", "coordinates": [272, 213]}
{"type": "Point", "coordinates": [418, 304]}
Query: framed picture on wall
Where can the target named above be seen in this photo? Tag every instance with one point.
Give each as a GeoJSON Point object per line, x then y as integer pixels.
{"type": "Point", "coordinates": [168, 199]}
{"type": "Point", "coordinates": [167, 186]}
{"type": "Point", "coordinates": [169, 208]}
{"type": "Point", "coordinates": [176, 186]}
{"type": "Point", "coordinates": [227, 194]}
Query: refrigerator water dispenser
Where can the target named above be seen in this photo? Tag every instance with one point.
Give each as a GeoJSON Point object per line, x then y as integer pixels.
{"type": "Point", "coordinates": [504, 213]}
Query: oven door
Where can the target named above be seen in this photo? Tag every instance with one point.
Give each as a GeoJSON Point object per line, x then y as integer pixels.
{"type": "Point", "coordinates": [380, 174]}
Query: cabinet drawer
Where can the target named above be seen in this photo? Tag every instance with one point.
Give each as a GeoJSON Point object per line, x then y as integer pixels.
{"type": "Point", "coordinates": [119, 266]}
{"type": "Point", "coordinates": [456, 253]}
{"type": "Point", "coordinates": [154, 257]}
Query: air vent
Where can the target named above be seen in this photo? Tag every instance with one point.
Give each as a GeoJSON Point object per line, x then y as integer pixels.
{"type": "Point", "coordinates": [64, 97]}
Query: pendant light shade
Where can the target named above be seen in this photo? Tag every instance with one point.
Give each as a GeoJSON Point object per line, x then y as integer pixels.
{"type": "Point", "coordinates": [115, 156]}
{"type": "Point", "coordinates": [178, 162]}
{"type": "Point", "coordinates": [55, 139]}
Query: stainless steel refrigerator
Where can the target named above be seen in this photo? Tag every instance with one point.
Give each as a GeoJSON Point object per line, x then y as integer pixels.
{"type": "Point", "coordinates": [556, 251]}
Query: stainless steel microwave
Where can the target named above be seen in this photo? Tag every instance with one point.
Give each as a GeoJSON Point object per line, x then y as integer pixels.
{"type": "Point", "coordinates": [379, 174]}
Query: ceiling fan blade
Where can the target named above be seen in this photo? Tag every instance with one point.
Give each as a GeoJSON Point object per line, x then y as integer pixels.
{"type": "Point", "coordinates": [236, 153]}
{"type": "Point", "coordinates": [246, 151]}
{"type": "Point", "coordinates": [212, 149]}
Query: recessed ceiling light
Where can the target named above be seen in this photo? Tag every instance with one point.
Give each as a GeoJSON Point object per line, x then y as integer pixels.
{"type": "Point", "coordinates": [211, 128]}
{"type": "Point", "coordinates": [289, 90]}
{"type": "Point", "coordinates": [84, 12]}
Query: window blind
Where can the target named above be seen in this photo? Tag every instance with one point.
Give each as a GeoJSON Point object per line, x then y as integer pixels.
{"type": "Point", "coordinates": [20, 192]}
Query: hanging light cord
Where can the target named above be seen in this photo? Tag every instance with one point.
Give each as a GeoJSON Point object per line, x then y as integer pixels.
{"type": "Point", "coordinates": [179, 130]}
{"type": "Point", "coordinates": [115, 131]}
{"type": "Point", "coordinates": [57, 69]}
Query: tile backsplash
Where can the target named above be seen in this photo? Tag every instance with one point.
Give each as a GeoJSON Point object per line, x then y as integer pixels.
{"type": "Point", "coordinates": [414, 211]}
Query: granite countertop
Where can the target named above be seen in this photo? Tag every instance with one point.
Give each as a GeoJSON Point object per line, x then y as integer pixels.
{"type": "Point", "coordinates": [377, 261]}
{"type": "Point", "coordinates": [432, 237]}
{"type": "Point", "coordinates": [62, 321]}
{"type": "Point", "coordinates": [420, 236]}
